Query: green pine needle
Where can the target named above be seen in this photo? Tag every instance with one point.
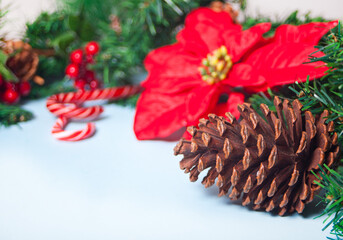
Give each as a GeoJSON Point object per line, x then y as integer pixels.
{"type": "Point", "coordinates": [332, 183]}
{"type": "Point", "coordinates": [12, 114]}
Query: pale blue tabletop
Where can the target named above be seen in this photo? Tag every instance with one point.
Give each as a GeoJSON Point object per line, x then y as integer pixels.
{"type": "Point", "coordinates": [115, 187]}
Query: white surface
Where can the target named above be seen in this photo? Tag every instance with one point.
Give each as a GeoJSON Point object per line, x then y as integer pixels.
{"type": "Point", "coordinates": [115, 187]}
{"type": "Point", "coordinates": [20, 12]}
{"type": "Point", "coordinates": [331, 9]}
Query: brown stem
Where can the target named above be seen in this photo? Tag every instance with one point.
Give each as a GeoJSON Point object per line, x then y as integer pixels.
{"type": "Point", "coordinates": [49, 52]}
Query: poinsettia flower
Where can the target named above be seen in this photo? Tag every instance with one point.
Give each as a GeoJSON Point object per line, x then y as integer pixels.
{"type": "Point", "coordinates": [212, 57]}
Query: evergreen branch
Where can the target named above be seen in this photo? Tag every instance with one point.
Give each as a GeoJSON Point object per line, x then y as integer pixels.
{"type": "Point", "coordinates": [257, 99]}
{"type": "Point", "coordinates": [49, 88]}
{"type": "Point", "coordinates": [332, 183]}
{"type": "Point", "coordinates": [10, 115]}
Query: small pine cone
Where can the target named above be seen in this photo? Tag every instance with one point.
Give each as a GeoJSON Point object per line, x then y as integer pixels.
{"type": "Point", "coordinates": [115, 24]}
{"type": "Point", "coordinates": [270, 163]}
{"type": "Point", "coordinates": [219, 6]}
{"type": "Point", "coordinates": [23, 61]}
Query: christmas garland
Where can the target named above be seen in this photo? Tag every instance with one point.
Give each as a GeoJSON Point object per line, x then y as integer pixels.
{"type": "Point", "coordinates": [127, 32]}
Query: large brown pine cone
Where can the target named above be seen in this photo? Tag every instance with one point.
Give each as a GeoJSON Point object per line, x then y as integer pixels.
{"type": "Point", "coordinates": [271, 163]}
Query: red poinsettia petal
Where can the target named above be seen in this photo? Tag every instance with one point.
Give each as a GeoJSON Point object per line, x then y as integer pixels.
{"type": "Point", "coordinates": [201, 100]}
{"type": "Point", "coordinates": [292, 74]}
{"type": "Point", "coordinates": [240, 42]}
{"type": "Point", "coordinates": [234, 98]}
{"type": "Point", "coordinates": [192, 41]}
{"type": "Point", "coordinates": [160, 55]}
{"type": "Point", "coordinates": [242, 75]}
{"type": "Point", "coordinates": [220, 109]}
{"type": "Point", "coordinates": [204, 29]}
{"type": "Point", "coordinates": [309, 33]}
{"type": "Point", "coordinates": [172, 69]}
{"type": "Point", "coordinates": [284, 63]}
{"type": "Point", "coordinates": [233, 101]}
{"type": "Point", "coordinates": [198, 44]}
{"type": "Point", "coordinates": [222, 20]}
{"type": "Point", "coordinates": [160, 116]}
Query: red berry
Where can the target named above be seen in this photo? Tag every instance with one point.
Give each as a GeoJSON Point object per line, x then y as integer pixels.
{"type": "Point", "coordinates": [72, 70]}
{"type": "Point", "coordinates": [76, 56]}
{"type": "Point", "coordinates": [92, 48]}
{"type": "Point", "coordinates": [24, 88]}
{"type": "Point", "coordinates": [1, 80]}
{"type": "Point", "coordinates": [89, 59]}
{"type": "Point", "coordinates": [94, 84]}
{"type": "Point", "coordinates": [10, 96]}
{"type": "Point", "coordinates": [89, 75]}
{"type": "Point", "coordinates": [9, 85]}
{"type": "Point", "coordinates": [80, 83]}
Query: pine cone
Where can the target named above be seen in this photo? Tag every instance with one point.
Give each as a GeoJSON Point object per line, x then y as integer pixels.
{"type": "Point", "coordinates": [23, 61]}
{"type": "Point", "coordinates": [269, 162]}
{"type": "Point", "coordinates": [219, 6]}
{"type": "Point", "coordinates": [115, 24]}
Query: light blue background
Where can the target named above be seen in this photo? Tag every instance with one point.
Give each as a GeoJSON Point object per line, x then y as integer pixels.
{"type": "Point", "coordinates": [115, 187]}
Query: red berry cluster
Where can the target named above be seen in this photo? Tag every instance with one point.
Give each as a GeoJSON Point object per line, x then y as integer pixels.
{"type": "Point", "coordinates": [10, 92]}
{"type": "Point", "coordinates": [77, 69]}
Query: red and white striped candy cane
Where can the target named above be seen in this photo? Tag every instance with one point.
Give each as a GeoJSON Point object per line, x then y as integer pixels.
{"type": "Point", "coordinates": [68, 106]}
{"type": "Point", "coordinates": [59, 133]}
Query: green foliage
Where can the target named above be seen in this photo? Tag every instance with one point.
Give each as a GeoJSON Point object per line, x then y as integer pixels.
{"type": "Point", "coordinates": [242, 3]}
{"type": "Point", "coordinates": [45, 29]}
{"type": "Point", "coordinates": [10, 115]}
{"type": "Point", "coordinates": [45, 34]}
{"type": "Point", "coordinates": [257, 99]}
{"type": "Point", "coordinates": [332, 183]}
{"type": "Point", "coordinates": [130, 102]}
{"type": "Point", "coordinates": [4, 71]}
{"type": "Point", "coordinates": [52, 88]}
{"type": "Point", "coordinates": [93, 11]}
{"type": "Point", "coordinates": [145, 25]}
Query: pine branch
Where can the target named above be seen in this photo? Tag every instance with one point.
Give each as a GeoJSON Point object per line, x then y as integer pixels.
{"type": "Point", "coordinates": [257, 99]}
{"type": "Point", "coordinates": [46, 33]}
{"type": "Point", "coordinates": [10, 115]}
{"type": "Point", "coordinates": [332, 183]}
{"type": "Point", "coordinates": [49, 88]}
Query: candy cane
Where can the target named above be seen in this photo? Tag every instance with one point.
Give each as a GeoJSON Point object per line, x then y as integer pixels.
{"type": "Point", "coordinates": [68, 106]}
{"type": "Point", "coordinates": [60, 134]}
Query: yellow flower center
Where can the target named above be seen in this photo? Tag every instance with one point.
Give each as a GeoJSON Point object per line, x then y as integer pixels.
{"type": "Point", "coordinates": [216, 66]}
